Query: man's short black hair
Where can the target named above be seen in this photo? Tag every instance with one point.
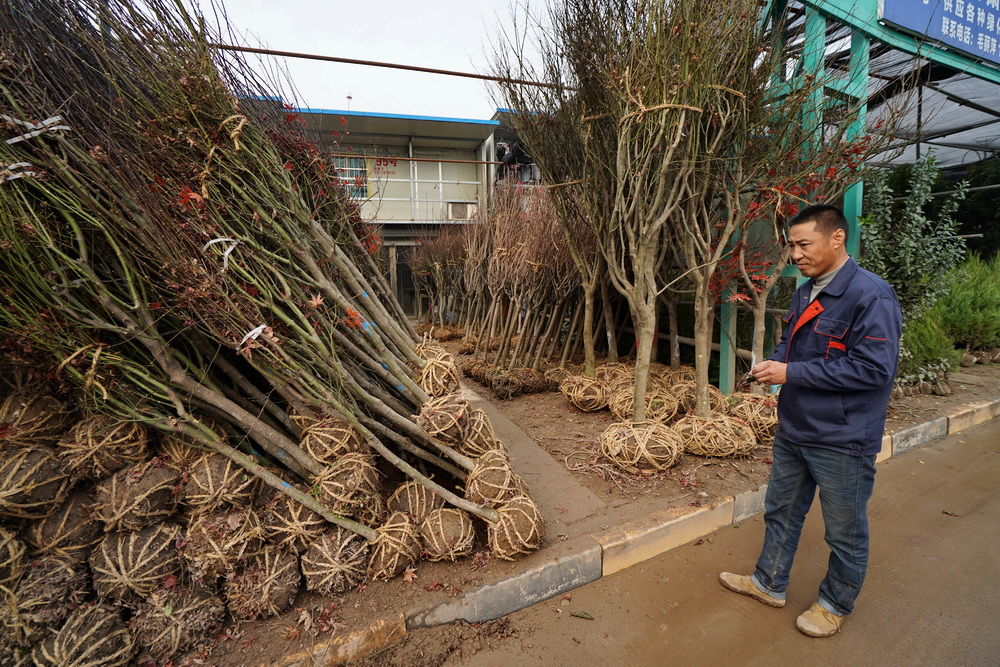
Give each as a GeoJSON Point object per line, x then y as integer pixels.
{"type": "Point", "coordinates": [828, 219]}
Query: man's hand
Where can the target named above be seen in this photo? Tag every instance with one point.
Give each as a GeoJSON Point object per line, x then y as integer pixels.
{"type": "Point", "coordinates": [769, 372]}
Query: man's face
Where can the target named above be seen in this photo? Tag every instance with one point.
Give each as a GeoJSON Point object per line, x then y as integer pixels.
{"type": "Point", "coordinates": [813, 252]}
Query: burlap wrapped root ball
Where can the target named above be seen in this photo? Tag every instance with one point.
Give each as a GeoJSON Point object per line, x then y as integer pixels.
{"type": "Point", "coordinates": [266, 584]}
{"type": "Point", "coordinates": [99, 445]}
{"type": "Point", "coordinates": [50, 587]}
{"type": "Point", "coordinates": [290, 524]}
{"type": "Point", "coordinates": [660, 405]}
{"type": "Point", "coordinates": [215, 481]}
{"type": "Point", "coordinates": [33, 483]}
{"type": "Point", "coordinates": [758, 411]}
{"type": "Point", "coordinates": [586, 394]}
{"type": "Point", "coordinates": [447, 534]}
{"type": "Point", "coordinates": [479, 436]}
{"type": "Point", "coordinates": [336, 562]}
{"type": "Point", "coordinates": [138, 496]}
{"type": "Point", "coordinates": [396, 548]}
{"type": "Point", "coordinates": [327, 439]}
{"type": "Point", "coordinates": [72, 529]}
{"type": "Point", "coordinates": [215, 542]}
{"type": "Point", "coordinates": [12, 552]}
{"type": "Point", "coordinates": [175, 620]}
{"type": "Point", "coordinates": [518, 531]}
{"type": "Point", "coordinates": [719, 436]}
{"type": "Point", "coordinates": [32, 420]}
{"type": "Point", "coordinates": [493, 480]}
{"type": "Point", "coordinates": [641, 448]}
{"type": "Point", "coordinates": [93, 636]}
{"type": "Point", "coordinates": [414, 499]}
{"type": "Point", "coordinates": [444, 418]}
{"type": "Point", "coordinates": [350, 486]}
{"type": "Point", "coordinates": [129, 565]}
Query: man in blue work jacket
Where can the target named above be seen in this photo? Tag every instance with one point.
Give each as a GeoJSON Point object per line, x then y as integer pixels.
{"type": "Point", "coordinates": [836, 363]}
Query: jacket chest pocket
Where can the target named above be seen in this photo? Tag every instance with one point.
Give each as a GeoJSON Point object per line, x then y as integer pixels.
{"type": "Point", "coordinates": [832, 338]}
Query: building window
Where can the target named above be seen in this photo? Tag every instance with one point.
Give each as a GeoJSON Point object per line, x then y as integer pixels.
{"type": "Point", "coordinates": [353, 174]}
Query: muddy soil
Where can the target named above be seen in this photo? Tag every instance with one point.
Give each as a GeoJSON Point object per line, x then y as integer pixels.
{"type": "Point", "coordinates": [569, 437]}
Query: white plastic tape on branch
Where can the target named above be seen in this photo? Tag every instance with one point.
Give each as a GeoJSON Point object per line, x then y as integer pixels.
{"type": "Point", "coordinates": [47, 126]}
{"type": "Point", "coordinates": [225, 253]}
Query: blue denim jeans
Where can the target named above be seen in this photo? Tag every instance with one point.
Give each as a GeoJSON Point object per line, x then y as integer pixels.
{"type": "Point", "coordinates": [845, 484]}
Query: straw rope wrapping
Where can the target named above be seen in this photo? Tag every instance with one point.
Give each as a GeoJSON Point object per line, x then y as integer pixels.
{"type": "Point", "coordinates": [290, 524]}
{"type": "Point", "coordinates": [414, 499]}
{"type": "Point", "coordinates": [639, 448]}
{"type": "Point", "coordinates": [326, 440]}
{"type": "Point", "coordinates": [493, 480]}
{"type": "Point", "coordinates": [214, 542]}
{"type": "Point", "coordinates": [98, 446]}
{"type": "Point", "coordinates": [93, 636]}
{"type": "Point", "coordinates": [555, 376]}
{"type": "Point", "coordinates": [532, 381]}
{"type": "Point", "coordinates": [33, 483]}
{"type": "Point", "coordinates": [50, 587]}
{"type": "Point", "coordinates": [72, 529]}
{"type": "Point", "coordinates": [180, 451]}
{"type": "Point", "coordinates": [216, 480]}
{"type": "Point", "coordinates": [131, 564]}
{"type": "Point", "coordinates": [439, 376]}
{"type": "Point", "coordinates": [447, 534]}
{"type": "Point", "coordinates": [504, 383]}
{"type": "Point", "coordinates": [176, 620]}
{"type": "Point", "coordinates": [518, 531]}
{"type": "Point", "coordinates": [266, 585]}
{"type": "Point", "coordinates": [473, 368]}
{"type": "Point", "coordinates": [479, 435]}
{"type": "Point", "coordinates": [396, 548]}
{"type": "Point", "coordinates": [30, 420]}
{"type": "Point", "coordinates": [719, 436]}
{"type": "Point", "coordinates": [11, 557]}
{"type": "Point", "coordinates": [336, 562]}
{"type": "Point", "coordinates": [349, 484]}
{"type": "Point", "coordinates": [660, 405]}
{"type": "Point", "coordinates": [760, 412]}
{"type": "Point", "coordinates": [685, 393]}
{"type": "Point", "coordinates": [443, 418]}
{"type": "Point", "coordinates": [586, 394]}
{"type": "Point", "coordinates": [138, 496]}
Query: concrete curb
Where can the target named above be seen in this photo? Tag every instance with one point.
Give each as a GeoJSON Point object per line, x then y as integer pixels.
{"type": "Point", "coordinates": [604, 554]}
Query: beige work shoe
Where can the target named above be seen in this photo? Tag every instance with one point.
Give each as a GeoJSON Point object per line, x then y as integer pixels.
{"type": "Point", "coordinates": [817, 621]}
{"type": "Point", "coordinates": [743, 584]}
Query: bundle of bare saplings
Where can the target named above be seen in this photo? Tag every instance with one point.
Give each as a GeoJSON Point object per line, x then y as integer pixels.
{"type": "Point", "coordinates": [211, 398]}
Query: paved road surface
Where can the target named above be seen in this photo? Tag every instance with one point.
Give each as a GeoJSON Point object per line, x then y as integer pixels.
{"type": "Point", "coordinates": [932, 596]}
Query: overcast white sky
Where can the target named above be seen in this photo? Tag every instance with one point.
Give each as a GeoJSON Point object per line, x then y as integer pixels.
{"type": "Point", "coordinates": [443, 34]}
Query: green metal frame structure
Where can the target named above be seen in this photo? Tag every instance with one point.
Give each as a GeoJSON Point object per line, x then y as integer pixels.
{"type": "Point", "coordinates": [862, 18]}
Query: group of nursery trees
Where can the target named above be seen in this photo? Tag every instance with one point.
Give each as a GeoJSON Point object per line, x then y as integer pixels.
{"type": "Point", "coordinates": [671, 138]}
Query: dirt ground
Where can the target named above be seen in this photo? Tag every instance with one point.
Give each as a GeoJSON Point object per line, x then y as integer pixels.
{"type": "Point", "coordinates": [569, 437]}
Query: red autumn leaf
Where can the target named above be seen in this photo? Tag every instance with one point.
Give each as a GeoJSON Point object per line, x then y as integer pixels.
{"type": "Point", "coordinates": [289, 166]}
{"type": "Point", "coordinates": [189, 196]}
{"type": "Point", "coordinates": [154, 306]}
{"type": "Point", "coordinates": [343, 121]}
{"type": "Point", "coordinates": [336, 133]}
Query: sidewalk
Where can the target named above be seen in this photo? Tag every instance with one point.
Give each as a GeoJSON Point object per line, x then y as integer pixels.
{"type": "Point", "coordinates": [593, 541]}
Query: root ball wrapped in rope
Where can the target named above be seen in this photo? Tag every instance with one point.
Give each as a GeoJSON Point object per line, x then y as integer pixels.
{"type": "Point", "coordinates": [336, 562]}
{"type": "Point", "coordinates": [397, 547]}
{"type": "Point", "coordinates": [328, 439]}
{"type": "Point", "coordinates": [414, 499]}
{"type": "Point", "coordinates": [72, 529]}
{"type": "Point", "coordinates": [216, 541]}
{"type": "Point", "coordinates": [447, 534]}
{"type": "Point", "coordinates": [443, 418]}
{"type": "Point", "coordinates": [216, 481]}
{"type": "Point", "coordinates": [639, 448]}
{"type": "Point", "coordinates": [586, 394]}
{"type": "Point", "coordinates": [138, 496]}
{"type": "Point", "coordinates": [177, 619]}
{"type": "Point", "coordinates": [265, 585]}
{"type": "Point", "coordinates": [716, 436]}
{"type": "Point", "coordinates": [12, 552]}
{"type": "Point", "coordinates": [93, 636]}
{"type": "Point", "coordinates": [50, 587]}
{"type": "Point", "coordinates": [129, 565]}
{"type": "Point", "coordinates": [493, 480]}
{"type": "Point", "coordinates": [99, 445]}
{"type": "Point", "coordinates": [32, 420]}
{"type": "Point", "coordinates": [759, 411]}
{"type": "Point", "coordinates": [290, 524]}
{"type": "Point", "coordinates": [33, 483]}
{"type": "Point", "coordinates": [519, 530]}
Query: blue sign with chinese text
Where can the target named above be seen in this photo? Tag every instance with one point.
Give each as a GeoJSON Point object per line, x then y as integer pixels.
{"type": "Point", "coordinates": [972, 26]}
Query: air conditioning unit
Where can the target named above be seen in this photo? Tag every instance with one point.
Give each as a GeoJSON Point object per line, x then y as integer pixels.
{"type": "Point", "coordinates": [462, 210]}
